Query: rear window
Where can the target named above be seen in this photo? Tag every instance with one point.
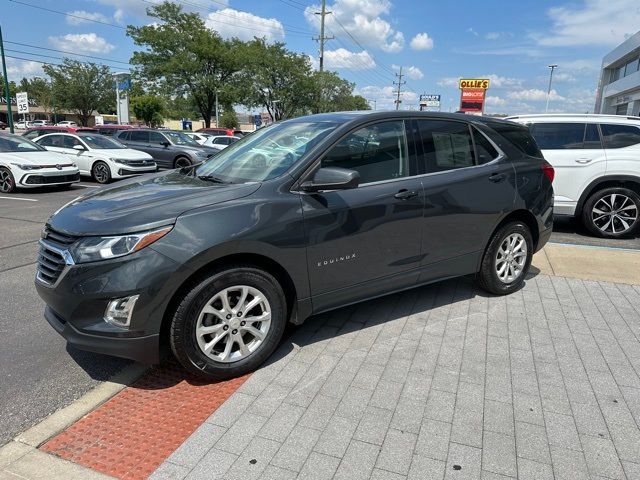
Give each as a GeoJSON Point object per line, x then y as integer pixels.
{"type": "Point", "coordinates": [558, 136]}
{"type": "Point", "coordinates": [620, 136]}
{"type": "Point", "coordinates": [520, 138]}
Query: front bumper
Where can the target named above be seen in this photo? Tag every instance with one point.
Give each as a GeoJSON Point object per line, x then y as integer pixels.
{"type": "Point", "coordinates": [48, 177]}
{"type": "Point", "coordinates": [130, 170]}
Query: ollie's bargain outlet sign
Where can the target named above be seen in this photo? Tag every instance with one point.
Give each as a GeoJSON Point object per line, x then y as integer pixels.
{"type": "Point", "coordinates": [472, 94]}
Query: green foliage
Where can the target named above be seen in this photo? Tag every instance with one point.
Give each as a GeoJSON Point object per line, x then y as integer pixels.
{"type": "Point", "coordinates": [229, 119]}
{"type": "Point", "coordinates": [82, 87]}
{"type": "Point", "coordinates": [148, 108]}
{"type": "Point", "coordinates": [12, 87]}
{"type": "Point", "coordinates": [334, 94]}
{"type": "Point", "coordinates": [38, 89]}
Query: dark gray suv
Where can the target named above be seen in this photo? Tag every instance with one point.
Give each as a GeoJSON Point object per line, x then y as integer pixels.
{"type": "Point", "coordinates": [304, 216]}
{"type": "Point", "coordinates": [169, 148]}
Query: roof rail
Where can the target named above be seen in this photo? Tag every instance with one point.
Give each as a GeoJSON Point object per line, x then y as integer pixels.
{"type": "Point", "coordinates": [588, 115]}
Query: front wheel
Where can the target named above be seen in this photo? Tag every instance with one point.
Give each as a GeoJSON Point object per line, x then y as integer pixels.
{"type": "Point", "coordinates": [612, 212]}
{"type": "Point", "coordinates": [101, 172]}
{"type": "Point", "coordinates": [182, 162]}
{"type": "Point", "coordinates": [7, 182]}
{"type": "Point", "coordinates": [229, 323]}
{"type": "Point", "coordinates": [507, 259]}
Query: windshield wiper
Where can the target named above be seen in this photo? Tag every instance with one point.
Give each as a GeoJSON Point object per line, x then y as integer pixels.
{"type": "Point", "coordinates": [211, 178]}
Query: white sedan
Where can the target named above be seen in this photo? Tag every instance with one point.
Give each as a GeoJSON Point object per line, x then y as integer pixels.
{"type": "Point", "coordinates": [66, 123]}
{"type": "Point", "coordinates": [220, 141]}
{"type": "Point", "coordinates": [98, 156]}
{"type": "Point", "coordinates": [198, 137]}
{"type": "Point", "coordinates": [24, 164]}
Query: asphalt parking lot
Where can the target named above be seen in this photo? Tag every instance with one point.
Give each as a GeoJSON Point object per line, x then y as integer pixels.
{"type": "Point", "coordinates": [40, 375]}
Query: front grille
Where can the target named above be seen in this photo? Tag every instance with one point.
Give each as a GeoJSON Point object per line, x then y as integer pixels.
{"type": "Point", "coordinates": [51, 260]}
{"type": "Point", "coordinates": [59, 238]}
{"type": "Point", "coordinates": [47, 179]}
{"type": "Point", "coordinates": [124, 171]}
{"type": "Point", "coordinates": [139, 163]}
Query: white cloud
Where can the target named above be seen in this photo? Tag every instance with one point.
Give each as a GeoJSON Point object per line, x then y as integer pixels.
{"type": "Point", "coordinates": [534, 95]}
{"type": "Point", "coordinates": [362, 19]}
{"type": "Point", "coordinates": [22, 68]}
{"type": "Point", "coordinates": [118, 15]}
{"type": "Point", "coordinates": [80, 17]}
{"type": "Point", "coordinates": [495, 101]}
{"type": "Point", "coordinates": [595, 22]}
{"type": "Point", "coordinates": [385, 96]}
{"type": "Point", "coordinates": [422, 41]}
{"type": "Point", "coordinates": [472, 32]}
{"type": "Point", "coordinates": [563, 77]}
{"type": "Point", "coordinates": [138, 8]}
{"type": "Point", "coordinates": [342, 58]}
{"type": "Point", "coordinates": [245, 26]}
{"type": "Point", "coordinates": [82, 43]}
{"type": "Point", "coordinates": [411, 72]}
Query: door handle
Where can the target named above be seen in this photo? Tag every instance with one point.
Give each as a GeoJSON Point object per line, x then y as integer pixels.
{"type": "Point", "coordinates": [405, 194]}
{"type": "Point", "coordinates": [583, 160]}
{"type": "Point", "coordinates": [497, 177]}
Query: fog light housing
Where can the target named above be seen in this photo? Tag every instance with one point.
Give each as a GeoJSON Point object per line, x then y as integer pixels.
{"type": "Point", "coordinates": [119, 311]}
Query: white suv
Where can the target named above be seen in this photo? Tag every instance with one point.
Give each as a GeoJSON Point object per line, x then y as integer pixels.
{"type": "Point", "coordinates": [597, 164]}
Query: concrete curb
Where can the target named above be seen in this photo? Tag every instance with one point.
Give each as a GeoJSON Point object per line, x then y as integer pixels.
{"type": "Point", "coordinates": [21, 458]}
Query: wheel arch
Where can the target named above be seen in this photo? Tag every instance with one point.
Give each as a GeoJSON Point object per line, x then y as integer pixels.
{"type": "Point", "coordinates": [182, 155]}
{"type": "Point", "coordinates": [608, 181]}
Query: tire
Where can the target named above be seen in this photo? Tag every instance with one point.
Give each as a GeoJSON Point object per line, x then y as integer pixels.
{"type": "Point", "coordinates": [182, 162]}
{"type": "Point", "coordinates": [101, 172]}
{"type": "Point", "coordinates": [189, 347]}
{"type": "Point", "coordinates": [504, 283]}
{"type": "Point", "coordinates": [7, 182]}
{"type": "Point", "coordinates": [625, 220]}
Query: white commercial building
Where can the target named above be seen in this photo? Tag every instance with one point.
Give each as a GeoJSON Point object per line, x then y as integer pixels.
{"type": "Point", "coordinates": [619, 85]}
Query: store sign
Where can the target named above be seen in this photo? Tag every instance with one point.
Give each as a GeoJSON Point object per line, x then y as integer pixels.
{"type": "Point", "coordinates": [430, 101]}
{"type": "Point", "coordinates": [482, 83]}
{"type": "Point", "coordinates": [472, 100]}
{"type": "Point", "coordinates": [22, 100]}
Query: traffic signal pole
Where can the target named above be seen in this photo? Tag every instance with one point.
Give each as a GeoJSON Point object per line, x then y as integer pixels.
{"type": "Point", "coordinates": [6, 83]}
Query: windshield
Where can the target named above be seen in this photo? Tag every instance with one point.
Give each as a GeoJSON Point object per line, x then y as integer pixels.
{"type": "Point", "coordinates": [98, 142]}
{"type": "Point", "coordinates": [265, 154]}
{"type": "Point", "coordinates": [179, 138]}
{"type": "Point", "coordinates": [14, 143]}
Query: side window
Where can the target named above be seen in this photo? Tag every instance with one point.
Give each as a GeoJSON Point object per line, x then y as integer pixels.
{"type": "Point", "coordinates": [140, 136]}
{"type": "Point", "coordinates": [558, 136]}
{"type": "Point", "coordinates": [377, 152]}
{"type": "Point", "coordinates": [31, 135]}
{"type": "Point", "coordinates": [156, 138]}
{"type": "Point", "coordinates": [124, 136]}
{"type": "Point", "coordinates": [592, 137]}
{"type": "Point", "coordinates": [69, 142]}
{"type": "Point", "coordinates": [620, 136]}
{"type": "Point", "coordinates": [46, 142]}
{"type": "Point", "coordinates": [57, 141]}
{"type": "Point", "coordinates": [485, 151]}
{"type": "Point", "coordinates": [445, 145]}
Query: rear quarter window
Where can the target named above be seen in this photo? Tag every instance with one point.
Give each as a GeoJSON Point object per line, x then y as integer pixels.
{"type": "Point", "coordinates": [520, 138]}
{"type": "Point", "coordinates": [620, 136]}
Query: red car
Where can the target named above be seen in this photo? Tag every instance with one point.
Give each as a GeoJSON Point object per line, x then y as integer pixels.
{"type": "Point", "coordinates": [216, 131]}
{"type": "Point", "coordinates": [111, 129]}
{"type": "Point", "coordinates": [34, 132]}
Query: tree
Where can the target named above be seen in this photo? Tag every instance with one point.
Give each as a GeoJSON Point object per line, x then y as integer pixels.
{"type": "Point", "coordinates": [277, 79]}
{"type": "Point", "coordinates": [82, 87]}
{"type": "Point", "coordinates": [229, 119]}
{"type": "Point", "coordinates": [184, 57]}
{"type": "Point", "coordinates": [148, 108]}
{"type": "Point", "coordinates": [335, 94]}
{"type": "Point", "coordinates": [38, 89]}
{"type": "Point", "coordinates": [12, 87]}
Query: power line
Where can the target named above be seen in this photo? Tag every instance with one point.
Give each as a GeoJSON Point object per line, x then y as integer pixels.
{"type": "Point", "coordinates": [65, 51]}
{"type": "Point", "coordinates": [51, 56]}
{"type": "Point", "coordinates": [69, 14]}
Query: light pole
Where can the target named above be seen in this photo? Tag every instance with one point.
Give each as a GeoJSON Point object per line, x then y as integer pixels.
{"type": "Point", "coordinates": [6, 84]}
{"type": "Point", "coordinates": [552, 67]}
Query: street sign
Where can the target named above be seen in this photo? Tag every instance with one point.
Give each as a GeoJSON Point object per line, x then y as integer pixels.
{"type": "Point", "coordinates": [431, 101]}
{"type": "Point", "coordinates": [472, 94]}
{"type": "Point", "coordinates": [257, 120]}
{"type": "Point", "coordinates": [23, 102]}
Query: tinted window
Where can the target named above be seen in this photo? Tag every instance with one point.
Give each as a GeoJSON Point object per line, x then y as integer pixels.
{"type": "Point", "coordinates": [520, 138]}
{"type": "Point", "coordinates": [70, 142]}
{"type": "Point", "coordinates": [485, 151]}
{"type": "Point", "coordinates": [14, 143]}
{"type": "Point", "coordinates": [124, 136]}
{"type": "Point", "coordinates": [157, 138]}
{"type": "Point", "coordinates": [377, 152]}
{"type": "Point", "coordinates": [107, 131]}
{"type": "Point", "coordinates": [31, 134]}
{"type": "Point", "coordinates": [46, 141]}
{"type": "Point", "coordinates": [139, 136]}
{"type": "Point", "coordinates": [100, 142]}
{"type": "Point", "coordinates": [558, 136]}
{"type": "Point", "coordinates": [620, 136]}
{"type": "Point", "coordinates": [592, 137]}
{"type": "Point", "coordinates": [445, 145]}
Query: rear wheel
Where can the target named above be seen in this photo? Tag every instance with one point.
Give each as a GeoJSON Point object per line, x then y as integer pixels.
{"type": "Point", "coordinates": [101, 172]}
{"type": "Point", "coordinates": [612, 212]}
{"type": "Point", "coordinates": [182, 162]}
{"type": "Point", "coordinates": [7, 182]}
{"type": "Point", "coordinates": [229, 323]}
{"type": "Point", "coordinates": [507, 259]}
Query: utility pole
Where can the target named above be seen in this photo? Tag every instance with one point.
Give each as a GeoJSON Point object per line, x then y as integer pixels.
{"type": "Point", "coordinates": [321, 39]}
{"type": "Point", "coordinates": [375, 103]}
{"type": "Point", "coordinates": [399, 83]}
{"type": "Point", "coordinates": [552, 67]}
{"type": "Point", "coordinates": [7, 95]}
{"type": "Point", "coordinates": [217, 114]}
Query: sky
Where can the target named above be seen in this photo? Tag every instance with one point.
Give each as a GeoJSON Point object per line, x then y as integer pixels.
{"type": "Point", "coordinates": [436, 42]}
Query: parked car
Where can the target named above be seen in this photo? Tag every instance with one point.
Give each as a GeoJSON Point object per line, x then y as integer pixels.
{"type": "Point", "coordinates": [22, 124]}
{"type": "Point", "coordinates": [97, 156]}
{"type": "Point", "coordinates": [201, 138]}
{"type": "Point", "coordinates": [23, 164]}
{"type": "Point", "coordinates": [597, 163]}
{"type": "Point", "coordinates": [220, 141]}
{"type": "Point", "coordinates": [34, 132]}
{"type": "Point", "coordinates": [66, 123]}
{"type": "Point", "coordinates": [214, 260]}
{"type": "Point", "coordinates": [111, 129]}
{"type": "Point", "coordinates": [39, 123]}
{"type": "Point", "coordinates": [169, 148]}
{"type": "Point", "coordinates": [3, 125]}
{"type": "Point", "coordinates": [216, 131]}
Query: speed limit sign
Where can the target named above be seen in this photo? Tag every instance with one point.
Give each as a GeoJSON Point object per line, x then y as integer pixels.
{"type": "Point", "coordinates": [23, 102]}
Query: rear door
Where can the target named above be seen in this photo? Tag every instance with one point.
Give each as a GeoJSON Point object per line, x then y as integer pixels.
{"type": "Point", "coordinates": [165, 154]}
{"type": "Point", "coordinates": [468, 186]}
{"type": "Point", "coordinates": [575, 151]}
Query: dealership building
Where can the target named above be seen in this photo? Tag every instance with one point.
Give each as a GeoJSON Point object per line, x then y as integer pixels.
{"type": "Point", "coordinates": [619, 86]}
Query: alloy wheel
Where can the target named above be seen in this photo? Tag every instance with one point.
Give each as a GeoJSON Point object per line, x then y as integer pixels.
{"type": "Point", "coordinates": [511, 258]}
{"type": "Point", "coordinates": [182, 162]}
{"type": "Point", "coordinates": [101, 173]}
{"type": "Point", "coordinates": [614, 214]}
{"type": "Point", "coordinates": [233, 323]}
{"type": "Point", "coordinates": [6, 182]}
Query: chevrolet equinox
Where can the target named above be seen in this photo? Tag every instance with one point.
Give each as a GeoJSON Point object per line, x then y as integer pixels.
{"type": "Point", "coordinates": [212, 260]}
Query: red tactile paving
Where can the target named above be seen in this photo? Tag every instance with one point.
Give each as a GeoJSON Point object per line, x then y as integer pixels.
{"type": "Point", "coordinates": [131, 434]}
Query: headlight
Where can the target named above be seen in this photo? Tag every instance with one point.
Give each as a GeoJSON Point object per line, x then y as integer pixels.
{"type": "Point", "coordinates": [118, 160]}
{"type": "Point", "coordinates": [202, 154]}
{"type": "Point", "coordinates": [92, 249]}
{"type": "Point", "coordinates": [26, 166]}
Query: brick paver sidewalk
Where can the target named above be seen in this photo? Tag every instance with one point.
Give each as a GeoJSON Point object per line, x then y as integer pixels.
{"type": "Point", "coordinates": [441, 381]}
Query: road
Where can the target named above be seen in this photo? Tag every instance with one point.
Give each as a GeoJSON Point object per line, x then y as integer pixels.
{"type": "Point", "coordinates": [39, 374]}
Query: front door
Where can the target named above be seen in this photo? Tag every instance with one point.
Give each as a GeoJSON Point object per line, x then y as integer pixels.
{"type": "Point", "coordinates": [365, 240]}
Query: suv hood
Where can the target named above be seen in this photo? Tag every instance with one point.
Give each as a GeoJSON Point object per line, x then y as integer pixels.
{"type": "Point", "coordinates": [142, 203]}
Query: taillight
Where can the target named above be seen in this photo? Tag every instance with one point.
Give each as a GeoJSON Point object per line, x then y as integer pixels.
{"type": "Point", "coordinates": [548, 171]}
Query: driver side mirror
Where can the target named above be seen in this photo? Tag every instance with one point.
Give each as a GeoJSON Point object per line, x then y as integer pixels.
{"type": "Point", "coordinates": [79, 148]}
{"type": "Point", "coordinates": [166, 143]}
{"type": "Point", "coordinates": [332, 178]}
